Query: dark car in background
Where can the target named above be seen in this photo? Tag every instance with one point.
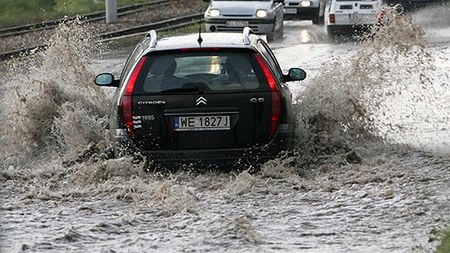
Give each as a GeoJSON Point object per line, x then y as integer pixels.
{"type": "Point", "coordinates": [219, 97]}
{"type": "Point", "coordinates": [313, 10]}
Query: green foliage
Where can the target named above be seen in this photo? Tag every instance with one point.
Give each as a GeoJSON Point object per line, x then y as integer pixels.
{"type": "Point", "coordinates": [77, 7]}
{"type": "Point", "coordinates": [445, 244]}
{"type": "Point", "coordinates": [20, 12]}
{"type": "Point", "coordinates": [24, 5]}
{"type": "Point", "coordinates": [14, 12]}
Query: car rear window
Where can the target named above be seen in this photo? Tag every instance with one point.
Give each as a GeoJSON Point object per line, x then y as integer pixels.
{"type": "Point", "coordinates": [201, 71]}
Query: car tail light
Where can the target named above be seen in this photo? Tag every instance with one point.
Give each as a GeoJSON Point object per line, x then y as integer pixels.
{"type": "Point", "coordinates": [332, 19]}
{"type": "Point", "coordinates": [380, 17]}
{"type": "Point", "coordinates": [127, 103]}
{"type": "Point", "coordinates": [276, 97]}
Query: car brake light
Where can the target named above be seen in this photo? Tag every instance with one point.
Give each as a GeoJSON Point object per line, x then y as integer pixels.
{"type": "Point", "coordinates": [127, 104]}
{"type": "Point", "coordinates": [380, 17]}
{"type": "Point", "coordinates": [276, 97]}
{"type": "Point", "coordinates": [332, 19]}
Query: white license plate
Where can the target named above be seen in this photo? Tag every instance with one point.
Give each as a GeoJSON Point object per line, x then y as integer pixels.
{"type": "Point", "coordinates": [290, 10]}
{"type": "Point", "coordinates": [199, 123]}
{"type": "Point", "coordinates": [237, 23]}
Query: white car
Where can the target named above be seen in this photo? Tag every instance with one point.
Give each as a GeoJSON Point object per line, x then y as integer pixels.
{"type": "Point", "coordinates": [343, 17]}
{"type": "Point", "coordinates": [305, 10]}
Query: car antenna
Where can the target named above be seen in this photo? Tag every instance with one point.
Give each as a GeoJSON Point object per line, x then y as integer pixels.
{"type": "Point", "coordinates": [200, 40]}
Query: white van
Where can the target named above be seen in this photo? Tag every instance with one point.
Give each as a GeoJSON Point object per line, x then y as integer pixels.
{"type": "Point", "coordinates": [344, 17]}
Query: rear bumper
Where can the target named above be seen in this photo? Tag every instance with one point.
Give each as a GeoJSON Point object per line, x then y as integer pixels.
{"type": "Point", "coordinates": [283, 141]}
{"type": "Point", "coordinates": [258, 26]}
{"type": "Point", "coordinates": [349, 29]}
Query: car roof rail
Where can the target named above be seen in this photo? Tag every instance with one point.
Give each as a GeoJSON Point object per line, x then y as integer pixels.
{"type": "Point", "coordinates": [153, 38]}
{"type": "Point", "coordinates": [246, 32]}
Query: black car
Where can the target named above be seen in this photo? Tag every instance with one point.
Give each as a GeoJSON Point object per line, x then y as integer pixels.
{"type": "Point", "coordinates": [214, 97]}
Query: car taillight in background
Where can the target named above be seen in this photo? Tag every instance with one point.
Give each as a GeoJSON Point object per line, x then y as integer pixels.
{"type": "Point", "coordinates": [332, 19]}
{"type": "Point", "coordinates": [380, 17]}
{"type": "Point", "coordinates": [276, 96]}
{"type": "Point", "coordinates": [127, 103]}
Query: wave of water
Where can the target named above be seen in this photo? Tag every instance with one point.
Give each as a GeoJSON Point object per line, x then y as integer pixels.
{"type": "Point", "coordinates": [392, 81]}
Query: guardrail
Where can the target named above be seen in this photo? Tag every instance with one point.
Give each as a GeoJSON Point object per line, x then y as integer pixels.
{"type": "Point", "coordinates": [90, 17]}
{"type": "Point", "coordinates": [163, 25]}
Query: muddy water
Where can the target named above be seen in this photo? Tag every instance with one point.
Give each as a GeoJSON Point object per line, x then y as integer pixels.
{"type": "Point", "coordinates": [366, 177]}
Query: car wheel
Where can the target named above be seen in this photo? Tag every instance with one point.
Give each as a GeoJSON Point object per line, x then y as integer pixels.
{"type": "Point", "coordinates": [332, 36]}
{"type": "Point", "coordinates": [281, 32]}
{"type": "Point", "coordinates": [270, 36]}
{"type": "Point", "coordinates": [321, 20]}
{"type": "Point", "coordinates": [316, 20]}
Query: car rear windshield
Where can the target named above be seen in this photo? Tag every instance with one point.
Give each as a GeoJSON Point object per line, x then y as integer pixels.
{"type": "Point", "coordinates": [201, 71]}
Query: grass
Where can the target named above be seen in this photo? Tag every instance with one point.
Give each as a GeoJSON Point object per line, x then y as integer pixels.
{"type": "Point", "coordinates": [445, 244]}
{"type": "Point", "coordinates": [183, 30]}
{"type": "Point", "coordinates": [21, 12]}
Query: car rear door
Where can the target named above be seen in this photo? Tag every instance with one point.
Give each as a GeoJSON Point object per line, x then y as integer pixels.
{"type": "Point", "coordinates": [209, 99]}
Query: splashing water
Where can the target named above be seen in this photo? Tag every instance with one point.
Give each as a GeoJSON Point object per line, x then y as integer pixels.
{"type": "Point", "coordinates": [373, 93]}
{"type": "Point", "coordinates": [42, 93]}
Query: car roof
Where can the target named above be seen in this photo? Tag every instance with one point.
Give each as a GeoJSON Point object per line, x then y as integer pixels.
{"type": "Point", "coordinates": [213, 39]}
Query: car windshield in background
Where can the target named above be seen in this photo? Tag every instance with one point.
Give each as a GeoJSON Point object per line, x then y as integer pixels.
{"type": "Point", "coordinates": [200, 72]}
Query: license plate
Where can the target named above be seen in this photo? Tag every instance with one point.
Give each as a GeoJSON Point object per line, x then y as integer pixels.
{"type": "Point", "coordinates": [237, 23]}
{"type": "Point", "coordinates": [290, 10]}
{"type": "Point", "coordinates": [201, 123]}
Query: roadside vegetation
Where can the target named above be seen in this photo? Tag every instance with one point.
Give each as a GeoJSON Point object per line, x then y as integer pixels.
{"type": "Point", "coordinates": [445, 244]}
{"type": "Point", "coordinates": [130, 41]}
{"type": "Point", "coordinates": [22, 12]}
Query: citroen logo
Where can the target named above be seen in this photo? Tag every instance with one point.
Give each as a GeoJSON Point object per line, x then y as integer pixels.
{"type": "Point", "coordinates": [201, 100]}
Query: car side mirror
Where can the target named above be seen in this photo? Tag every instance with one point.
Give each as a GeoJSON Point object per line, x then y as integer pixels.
{"type": "Point", "coordinates": [295, 74]}
{"type": "Point", "coordinates": [106, 80]}
{"type": "Point", "coordinates": [279, 1]}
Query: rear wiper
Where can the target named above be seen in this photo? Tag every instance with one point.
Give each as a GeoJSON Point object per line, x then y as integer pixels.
{"type": "Point", "coordinates": [188, 89]}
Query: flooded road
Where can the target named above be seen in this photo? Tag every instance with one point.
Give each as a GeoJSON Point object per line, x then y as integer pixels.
{"type": "Point", "coordinates": [371, 174]}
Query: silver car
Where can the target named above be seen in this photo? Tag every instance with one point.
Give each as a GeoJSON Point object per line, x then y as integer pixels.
{"type": "Point", "coordinates": [263, 16]}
